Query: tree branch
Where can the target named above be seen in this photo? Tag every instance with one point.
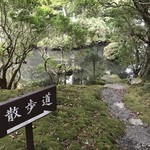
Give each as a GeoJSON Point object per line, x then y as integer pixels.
{"type": "Point", "coordinates": [143, 10]}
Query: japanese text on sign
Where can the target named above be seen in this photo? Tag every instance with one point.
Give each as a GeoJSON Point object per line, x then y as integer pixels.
{"type": "Point", "coordinates": [13, 112]}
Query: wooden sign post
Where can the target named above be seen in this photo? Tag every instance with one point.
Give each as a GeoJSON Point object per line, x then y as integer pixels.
{"type": "Point", "coordinates": [22, 111]}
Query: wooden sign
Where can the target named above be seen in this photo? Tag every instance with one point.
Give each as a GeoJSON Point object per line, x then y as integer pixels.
{"type": "Point", "coordinates": [23, 110]}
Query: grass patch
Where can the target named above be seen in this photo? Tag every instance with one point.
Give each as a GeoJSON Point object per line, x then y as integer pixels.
{"type": "Point", "coordinates": [8, 94]}
{"type": "Point", "coordinates": [81, 122]}
{"type": "Point", "coordinates": [137, 100]}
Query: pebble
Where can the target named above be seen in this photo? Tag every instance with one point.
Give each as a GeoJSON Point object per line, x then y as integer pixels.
{"type": "Point", "coordinates": [135, 122]}
{"type": "Point", "coordinates": [137, 136]}
{"type": "Point", "coordinates": [120, 105]}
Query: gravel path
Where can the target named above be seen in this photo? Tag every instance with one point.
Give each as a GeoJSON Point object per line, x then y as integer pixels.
{"type": "Point", "coordinates": [137, 135]}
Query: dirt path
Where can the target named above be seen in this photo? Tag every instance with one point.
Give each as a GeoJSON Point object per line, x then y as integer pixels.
{"type": "Point", "coordinates": [137, 135]}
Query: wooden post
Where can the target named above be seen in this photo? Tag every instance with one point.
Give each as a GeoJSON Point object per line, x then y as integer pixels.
{"type": "Point", "coordinates": [29, 137]}
{"type": "Point", "coordinates": [22, 111]}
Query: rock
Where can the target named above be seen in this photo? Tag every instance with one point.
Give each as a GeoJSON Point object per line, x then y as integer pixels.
{"type": "Point", "coordinates": [135, 122]}
{"type": "Point", "coordinates": [112, 78]}
{"type": "Point", "coordinates": [137, 135]}
{"type": "Point", "coordinates": [115, 86]}
{"type": "Point", "coordinates": [135, 81]}
{"type": "Point", "coordinates": [120, 105]}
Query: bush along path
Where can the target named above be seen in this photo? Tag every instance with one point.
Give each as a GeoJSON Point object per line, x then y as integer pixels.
{"type": "Point", "coordinates": [137, 134]}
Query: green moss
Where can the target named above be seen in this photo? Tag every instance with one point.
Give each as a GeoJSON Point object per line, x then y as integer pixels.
{"type": "Point", "coordinates": [7, 94]}
{"type": "Point", "coordinates": [74, 146]}
{"type": "Point", "coordinates": [137, 99]}
{"type": "Point", "coordinates": [81, 122]}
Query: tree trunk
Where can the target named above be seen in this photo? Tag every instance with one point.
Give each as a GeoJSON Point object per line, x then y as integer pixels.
{"type": "Point", "coordinates": [65, 77]}
{"type": "Point", "coordinates": [3, 80]}
{"type": "Point", "coordinates": [3, 83]}
{"type": "Point", "coordinates": [137, 67]}
{"type": "Point", "coordinates": [57, 79]}
{"type": "Point", "coordinates": [145, 71]}
{"type": "Point", "coordinates": [94, 69]}
{"type": "Point", "coordinates": [10, 84]}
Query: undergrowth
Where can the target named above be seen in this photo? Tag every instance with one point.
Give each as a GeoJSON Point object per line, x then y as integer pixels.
{"type": "Point", "coordinates": [137, 100]}
{"type": "Point", "coordinates": [81, 122]}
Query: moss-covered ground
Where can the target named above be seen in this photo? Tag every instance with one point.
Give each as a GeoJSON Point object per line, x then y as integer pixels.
{"type": "Point", "coordinates": [138, 100]}
{"type": "Point", "coordinates": [81, 122]}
